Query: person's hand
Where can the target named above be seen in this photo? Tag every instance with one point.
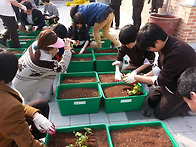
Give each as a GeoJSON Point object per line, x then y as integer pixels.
{"type": "Point", "coordinates": [34, 28]}
{"type": "Point", "coordinates": [82, 51]}
{"type": "Point", "coordinates": [156, 70]}
{"type": "Point", "coordinates": [118, 76]}
{"type": "Point", "coordinates": [47, 17]}
{"type": "Point", "coordinates": [44, 125]}
{"type": "Point", "coordinates": [67, 44]}
{"type": "Point", "coordinates": [24, 8]}
{"type": "Point", "coordinates": [130, 78]}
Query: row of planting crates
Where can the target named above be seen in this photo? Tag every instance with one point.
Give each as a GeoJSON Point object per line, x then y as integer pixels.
{"type": "Point", "coordinates": [92, 104]}
{"type": "Point", "coordinates": [109, 128]}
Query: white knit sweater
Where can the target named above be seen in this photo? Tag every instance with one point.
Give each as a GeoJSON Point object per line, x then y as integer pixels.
{"type": "Point", "coordinates": [34, 79]}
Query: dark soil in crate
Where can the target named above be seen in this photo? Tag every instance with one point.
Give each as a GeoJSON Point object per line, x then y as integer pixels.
{"type": "Point", "coordinates": [85, 79]}
{"type": "Point", "coordinates": [107, 78]}
{"type": "Point", "coordinates": [107, 57]}
{"type": "Point", "coordinates": [97, 139]}
{"type": "Point", "coordinates": [78, 93]}
{"type": "Point", "coordinates": [85, 52]}
{"type": "Point", "coordinates": [140, 136]}
{"type": "Point", "coordinates": [111, 50]}
{"type": "Point", "coordinates": [80, 59]}
{"type": "Point", "coordinates": [118, 91]}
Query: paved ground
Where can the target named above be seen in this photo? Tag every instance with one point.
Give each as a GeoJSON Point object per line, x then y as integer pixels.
{"type": "Point", "coordinates": [183, 129]}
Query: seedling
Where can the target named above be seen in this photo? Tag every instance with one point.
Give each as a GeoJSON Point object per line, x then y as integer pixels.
{"type": "Point", "coordinates": [81, 138]}
{"type": "Point", "coordinates": [135, 90]}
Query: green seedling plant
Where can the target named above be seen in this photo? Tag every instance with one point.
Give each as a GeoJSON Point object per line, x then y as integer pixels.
{"type": "Point", "coordinates": [81, 138]}
{"type": "Point", "coordinates": [135, 90]}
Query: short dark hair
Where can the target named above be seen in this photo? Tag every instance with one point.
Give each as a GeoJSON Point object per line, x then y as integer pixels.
{"type": "Point", "coordinates": [60, 30]}
{"type": "Point", "coordinates": [128, 34]}
{"type": "Point", "coordinates": [8, 66]}
{"type": "Point", "coordinates": [149, 34]}
{"type": "Point", "coordinates": [187, 82]}
{"type": "Point", "coordinates": [28, 5]}
{"type": "Point", "coordinates": [73, 10]}
{"type": "Point", "coordinates": [47, 1]}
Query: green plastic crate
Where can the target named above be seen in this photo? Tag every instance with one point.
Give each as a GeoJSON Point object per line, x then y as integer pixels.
{"type": "Point", "coordinates": [104, 65]}
{"type": "Point", "coordinates": [78, 105]}
{"type": "Point", "coordinates": [110, 72]}
{"type": "Point", "coordinates": [122, 104]}
{"type": "Point", "coordinates": [153, 123]}
{"type": "Point", "coordinates": [23, 43]}
{"type": "Point", "coordinates": [27, 37]}
{"type": "Point", "coordinates": [32, 33]}
{"type": "Point", "coordinates": [87, 50]}
{"type": "Point", "coordinates": [78, 128]}
{"type": "Point", "coordinates": [81, 66]}
{"type": "Point", "coordinates": [16, 49]}
{"type": "Point", "coordinates": [79, 74]}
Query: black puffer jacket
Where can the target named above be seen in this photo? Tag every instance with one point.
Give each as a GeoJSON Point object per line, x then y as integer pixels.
{"type": "Point", "coordinates": [115, 2]}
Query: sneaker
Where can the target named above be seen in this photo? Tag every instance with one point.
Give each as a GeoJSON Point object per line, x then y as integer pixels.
{"type": "Point", "coordinates": [3, 43]}
{"type": "Point", "coordinates": [191, 113]}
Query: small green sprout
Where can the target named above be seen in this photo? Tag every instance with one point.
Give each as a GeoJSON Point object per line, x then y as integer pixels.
{"type": "Point", "coordinates": [135, 90]}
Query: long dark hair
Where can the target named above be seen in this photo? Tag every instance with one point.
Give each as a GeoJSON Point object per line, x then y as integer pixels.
{"type": "Point", "coordinates": [78, 18]}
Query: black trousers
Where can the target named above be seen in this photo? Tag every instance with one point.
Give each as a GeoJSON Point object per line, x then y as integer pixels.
{"type": "Point", "coordinates": [11, 33]}
{"type": "Point", "coordinates": [116, 9]}
{"type": "Point", "coordinates": [136, 16]}
{"type": "Point", "coordinates": [166, 104]}
{"type": "Point", "coordinates": [44, 108]}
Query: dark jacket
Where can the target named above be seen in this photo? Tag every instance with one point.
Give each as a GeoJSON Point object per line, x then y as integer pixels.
{"type": "Point", "coordinates": [81, 35]}
{"type": "Point", "coordinates": [38, 19]}
{"type": "Point", "coordinates": [174, 59]}
{"type": "Point", "coordinates": [136, 55]}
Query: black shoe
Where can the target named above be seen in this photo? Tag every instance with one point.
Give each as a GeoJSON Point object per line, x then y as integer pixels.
{"type": "Point", "coordinates": [3, 43]}
{"type": "Point", "coordinates": [117, 28]}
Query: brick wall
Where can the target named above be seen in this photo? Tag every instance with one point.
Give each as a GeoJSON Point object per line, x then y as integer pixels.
{"type": "Point", "coordinates": [186, 27]}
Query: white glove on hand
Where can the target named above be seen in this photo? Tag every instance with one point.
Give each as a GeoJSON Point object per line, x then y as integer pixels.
{"type": "Point", "coordinates": [82, 51]}
{"type": "Point", "coordinates": [44, 125]}
{"type": "Point", "coordinates": [118, 76]}
{"type": "Point", "coordinates": [24, 8]}
{"type": "Point", "coordinates": [130, 78]}
{"type": "Point", "coordinates": [27, 28]}
{"type": "Point", "coordinates": [156, 70]}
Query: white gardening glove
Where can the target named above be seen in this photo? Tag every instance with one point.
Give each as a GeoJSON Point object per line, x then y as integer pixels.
{"type": "Point", "coordinates": [44, 125]}
{"type": "Point", "coordinates": [130, 78]}
{"type": "Point", "coordinates": [27, 27]}
{"type": "Point", "coordinates": [24, 8]}
{"type": "Point", "coordinates": [82, 51]}
{"type": "Point", "coordinates": [156, 70]}
{"type": "Point", "coordinates": [118, 76]}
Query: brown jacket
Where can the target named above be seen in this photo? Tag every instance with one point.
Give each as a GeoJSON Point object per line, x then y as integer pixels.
{"type": "Point", "coordinates": [14, 130]}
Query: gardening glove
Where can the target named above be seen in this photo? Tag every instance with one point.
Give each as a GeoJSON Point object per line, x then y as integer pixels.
{"type": "Point", "coordinates": [27, 28]}
{"type": "Point", "coordinates": [44, 125]}
{"type": "Point", "coordinates": [82, 51]}
{"type": "Point", "coordinates": [118, 76]}
{"type": "Point", "coordinates": [156, 70]}
{"type": "Point", "coordinates": [129, 78]}
{"type": "Point", "coordinates": [34, 28]}
{"type": "Point", "coordinates": [24, 8]}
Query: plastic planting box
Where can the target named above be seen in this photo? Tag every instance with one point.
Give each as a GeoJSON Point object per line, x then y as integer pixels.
{"type": "Point", "coordinates": [153, 123]}
{"type": "Point", "coordinates": [85, 63]}
{"type": "Point", "coordinates": [104, 65]}
{"type": "Point", "coordinates": [78, 128]}
{"type": "Point", "coordinates": [23, 43]}
{"type": "Point", "coordinates": [121, 104]}
{"type": "Point", "coordinates": [92, 74]}
{"type": "Point", "coordinates": [31, 33]}
{"type": "Point", "coordinates": [78, 105]}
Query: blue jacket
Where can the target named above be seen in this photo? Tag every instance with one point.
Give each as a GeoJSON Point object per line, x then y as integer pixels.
{"type": "Point", "coordinates": [38, 19]}
{"type": "Point", "coordinates": [92, 11]}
